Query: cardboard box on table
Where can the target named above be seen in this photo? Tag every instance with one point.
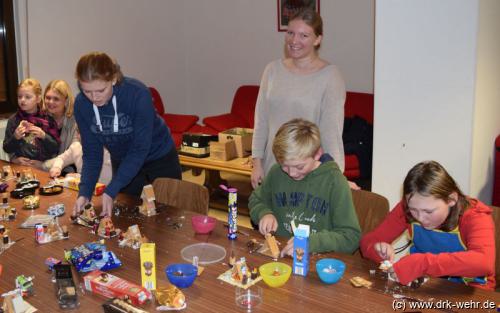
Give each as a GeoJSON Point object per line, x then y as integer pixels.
{"type": "Point", "coordinates": [223, 151]}
{"type": "Point", "coordinates": [242, 139]}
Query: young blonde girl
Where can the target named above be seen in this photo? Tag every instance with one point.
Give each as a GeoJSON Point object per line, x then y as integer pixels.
{"type": "Point", "coordinates": [31, 135]}
{"type": "Point", "coordinates": [452, 236]}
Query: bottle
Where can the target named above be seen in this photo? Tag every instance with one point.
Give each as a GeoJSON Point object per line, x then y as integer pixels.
{"type": "Point", "coordinates": [232, 216]}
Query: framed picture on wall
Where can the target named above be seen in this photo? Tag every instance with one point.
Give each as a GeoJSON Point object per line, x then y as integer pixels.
{"type": "Point", "coordinates": [287, 8]}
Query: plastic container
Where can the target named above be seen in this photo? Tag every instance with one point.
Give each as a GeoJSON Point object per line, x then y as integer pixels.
{"type": "Point", "coordinates": [181, 275]}
{"type": "Point", "coordinates": [275, 274]}
{"type": "Point", "coordinates": [249, 298]}
{"type": "Point", "coordinates": [330, 270]}
{"type": "Point", "coordinates": [203, 224]}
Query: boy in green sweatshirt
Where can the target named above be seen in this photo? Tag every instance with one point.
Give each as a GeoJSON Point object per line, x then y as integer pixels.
{"type": "Point", "coordinates": [306, 190]}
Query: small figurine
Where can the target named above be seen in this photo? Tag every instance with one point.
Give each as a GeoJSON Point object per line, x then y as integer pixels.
{"type": "Point", "coordinates": [148, 206]}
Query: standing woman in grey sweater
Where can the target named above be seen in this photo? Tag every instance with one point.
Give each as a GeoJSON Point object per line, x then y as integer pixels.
{"type": "Point", "coordinates": [301, 85]}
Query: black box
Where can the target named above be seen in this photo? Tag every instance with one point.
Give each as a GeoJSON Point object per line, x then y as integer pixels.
{"type": "Point", "coordinates": [198, 140]}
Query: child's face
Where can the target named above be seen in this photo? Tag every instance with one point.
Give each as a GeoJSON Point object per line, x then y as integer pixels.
{"type": "Point", "coordinates": [429, 211]}
{"type": "Point", "coordinates": [27, 100]}
{"type": "Point", "coordinates": [297, 169]}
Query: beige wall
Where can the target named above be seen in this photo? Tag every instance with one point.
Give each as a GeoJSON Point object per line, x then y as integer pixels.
{"type": "Point", "coordinates": [196, 52]}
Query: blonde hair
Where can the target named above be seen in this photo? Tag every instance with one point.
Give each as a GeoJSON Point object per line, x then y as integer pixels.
{"type": "Point", "coordinates": [64, 90]}
{"type": "Point", "coordinates": [296, 139]}
{"type": "Point", "coordinates": [35, 85]}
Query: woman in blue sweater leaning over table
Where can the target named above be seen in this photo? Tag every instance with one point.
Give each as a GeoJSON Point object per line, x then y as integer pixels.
{"type": "Point", "coordinates": [117, 113]}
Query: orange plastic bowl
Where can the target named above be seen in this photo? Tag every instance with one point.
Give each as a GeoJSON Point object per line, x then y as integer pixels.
{"type": "Point", "coordinates": [203, 224]}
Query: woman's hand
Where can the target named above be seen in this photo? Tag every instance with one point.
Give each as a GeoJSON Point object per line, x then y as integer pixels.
{"type": "Point", "coordinates": [267, 224]}
{"type": "Point", "coordinates": [107, 205]}
{"type": "Point", "coordinates": [385, 251]}
{"type": "Point", "coordinates": [353, 185]}
{"type": "Point", "coordinates": [257, 173]}
{"type": "Point", "coordinates": [55, 172]}
{"type": "Point", "coordinates": [288, 249]}
{"type": "Point", "coordinates": [79, 205]}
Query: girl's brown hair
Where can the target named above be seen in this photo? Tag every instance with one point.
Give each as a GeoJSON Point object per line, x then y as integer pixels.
{"type": "Point", "coordinates": [429, 178]}
{"type": "Point", "coordinates": [97, 66]}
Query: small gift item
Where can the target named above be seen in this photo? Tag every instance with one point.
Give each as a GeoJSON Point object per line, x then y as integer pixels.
{"type": "Point", "coordinates": [56, 209]}
{"type": "Point", "coordinates": [170, 298]}
{"type": "Point", "coordinates": [51, 189]}
{"type": "Point", "coordinates": [31, 202]}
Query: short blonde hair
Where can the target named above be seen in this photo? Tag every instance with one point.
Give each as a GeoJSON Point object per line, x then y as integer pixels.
{"type": "Point", "coordinates": [35, 85]}
{"type": "Point", "coordinates": [64, 90]}
{"type": "Point", "coordinates": [296, 139]}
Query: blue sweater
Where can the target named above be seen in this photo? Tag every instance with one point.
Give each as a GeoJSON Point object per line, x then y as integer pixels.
{"type": "Point", "coordinates": [142, 135]}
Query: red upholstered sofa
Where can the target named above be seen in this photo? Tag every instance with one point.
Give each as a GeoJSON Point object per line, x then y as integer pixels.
{"type": "Point", "coordinates": [496, 179]}
{"type": "Point", "coordinates": [242, 115]}
{"type": "Point", "coordinates": [178, 123]}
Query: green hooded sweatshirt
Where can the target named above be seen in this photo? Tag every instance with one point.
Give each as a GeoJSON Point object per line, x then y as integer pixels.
{"type": "Point", "coordinates": [322, 199]}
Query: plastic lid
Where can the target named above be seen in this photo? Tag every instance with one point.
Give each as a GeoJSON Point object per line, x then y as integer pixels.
{"type": "Point", "coordinates": [207, 253]}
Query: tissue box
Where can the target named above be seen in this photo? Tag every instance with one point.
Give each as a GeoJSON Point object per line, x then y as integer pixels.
{"type": "Point", "coordinates": [301, 250]}
{"type": "Point", "coordinates": [242, 138]}
{"type": "Point", "coordinates": [148, 265]}
{"type": "Point", "coordinates": [111, 286]}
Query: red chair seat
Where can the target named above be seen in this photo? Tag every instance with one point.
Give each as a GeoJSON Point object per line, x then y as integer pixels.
{"type": "Point", "coordinates": [225, 121]}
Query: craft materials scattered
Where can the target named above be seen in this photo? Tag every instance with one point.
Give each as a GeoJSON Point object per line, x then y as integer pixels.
{"type": "Point", "coordinates": [176, 222]}
{"type": "Point", "coordinates": [170, 298]}
{"type": "Point", "coordinates": [7, 172]}
{"type": "Point", "coordinates": [116, 305]}
{"type": "Point", "coordinates": [181, 275]}
{"type": "Point", "coordinates": [270, 247]}
{"type": "Point", "coordinates": [25, 284]}
{"type": "Point", "coordinates": [132, 238]}
{"type": "Point", "coordinates": [248, 298]}
{"type": "Point", "coordinates": [72, 180]}
{"type": "Point", "coordinates": [14, 303]}
{"type": "Point", "coordinates": [148, 265]}
{"type": "Point", "coordinates": [359, 282]}
{"type": "Point", "coordinates": [240, 274]}
{"type": "Point", "coordinates": [385, 265]}
{"type": "Point", "coordinates": [33, 220]}
{"type": "Point", "coordinates": [51, 189]}
{"type": "Point", "coordinates": [50, 262]}
{"type": "Point", "coordinates": [111, 286]}
{"type": "Point", "coordinates": [107, 229]}
{"type": "Point", "coordinates": [52, 232]}
{"type": "Point", "coordinates": [7, 213]}
{"type": "Point", "coordinates": [56, 209]}
{"type": "Point", "coordinates": [203, 224]}
{"type": "Point", "coordinates": [148, 206]}
{"type": "Point", "coordinates": [301, 249]}
{"type": "Point", "coordinates": [88, 217]}
{"type": "Point", "coordinates": [207, 253]}
{"type": "Point", "coordinates": [65, 287]}
{"type": "Point", "coordinates": [31, 202]}
{"type": "Point", "coordinates": [4, 187]}
{"type": "Point", "coordinates": [24, 191]}
{"type": "Point", "coordinates": [232, 216]}
{"type": "Point", "coordinates": [275, 274]}
{"type": "Point", "coordinates": [330, 270]}
{"type": "Point", "coordinates": [93, 256]}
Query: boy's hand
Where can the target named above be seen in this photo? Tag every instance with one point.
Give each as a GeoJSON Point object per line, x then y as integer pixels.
{"type": "Point", "coordinates": [288, 249]}
{"type": "Point", "coordinates": [385, 251]}
{"type": "Point", "coordinates": [267, 224]}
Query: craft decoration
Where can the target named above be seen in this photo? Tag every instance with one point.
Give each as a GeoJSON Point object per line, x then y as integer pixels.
{"type": "Point", "coordinates": [359, 282]}
{"type": "Point", "coordinates": [170, 298]}
{"type": "Point", "coordinates": [53, 232]}
{"type": "Point", "coordinates": [51, 189]}
{"type": "Point", "coordinates": [14, 303]}
{"type": "Point", "coordinates": [92, 256]}
{"type": "Point", "coordinates": [33, 220]}
{"type": "Point", "coordinates": [148, 206]}
{"type": "Point", "coordinates": [25, 284]}
{"type": "Point", "coordinates": [56, 209]}
{"type": "Point", "coordinates": [240, 275]}
{"type": "Point", "coordinates": [87, 217]}
{"type": "Point", "coordinates": [132, 238]}
{"type": "Point", "coordinates": [107, 229]}
{"type": "Point", "coordinates": [31, 202]}
{"type": "Point", "coordinates": [7, 213]}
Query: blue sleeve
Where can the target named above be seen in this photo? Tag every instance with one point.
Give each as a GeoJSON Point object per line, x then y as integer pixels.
{"type": "Point", "coordinates": [144, 116]}
{"type": "Point", "coordinates": [92, 150]}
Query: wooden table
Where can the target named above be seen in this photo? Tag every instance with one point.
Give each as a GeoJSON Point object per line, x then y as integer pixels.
{"type": "Point", "coordinates": [208, 294]}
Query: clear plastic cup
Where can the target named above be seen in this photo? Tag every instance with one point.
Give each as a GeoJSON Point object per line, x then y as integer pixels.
{"type": "Point", "coordinates": [249, 298]}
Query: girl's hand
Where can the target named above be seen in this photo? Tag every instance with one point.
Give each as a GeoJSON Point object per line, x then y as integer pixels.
{"type": "Point", "coordinates": [54, 172]}
{"type": "Point", "coordinates": [267, 224]}
{"type": "Point", "coordinates": [257, 173]}
{"type": "Point", "coordinates": [37, 131]}
{"type": "Point", "coordinates": [22, 161]}
{"type": "Point", "coordinates": [385, 251]}
{"type": "Point", "coordinates": [288, 249]}
{"type": "Point", "coordinates": [20, 130]}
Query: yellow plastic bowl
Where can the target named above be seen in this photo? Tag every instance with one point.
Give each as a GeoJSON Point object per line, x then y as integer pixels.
{"type": "Point", "coordinates": [275, 274]}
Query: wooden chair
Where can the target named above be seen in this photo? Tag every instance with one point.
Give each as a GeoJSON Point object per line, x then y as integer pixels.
{"type": "Point", "coordinates": [371, 209]}
{"type": "Point", "coordinates": [496, 221]}
{"type": "Point", "coordinates": [181, 194]}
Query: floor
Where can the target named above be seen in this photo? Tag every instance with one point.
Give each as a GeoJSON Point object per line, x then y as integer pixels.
{"type": "Point", "coordinates": [242, 183]}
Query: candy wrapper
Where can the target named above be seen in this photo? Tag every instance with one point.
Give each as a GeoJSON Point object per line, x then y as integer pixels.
{"type": "Point", "coordinates": [170, 298]}
{"type": "Point", "coordinates": [93, 256]}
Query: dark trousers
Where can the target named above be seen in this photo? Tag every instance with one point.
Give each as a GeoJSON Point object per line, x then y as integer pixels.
{"type": "Point", "coordinates": [167, 166]}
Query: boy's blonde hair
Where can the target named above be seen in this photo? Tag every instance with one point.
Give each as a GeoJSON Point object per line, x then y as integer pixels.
{"type": "Point", "coordinates": [35, 85]}
{"type": "Point", "coordinates": [64, 90]}
{"type": "Point", "coordinates": [296, 139]}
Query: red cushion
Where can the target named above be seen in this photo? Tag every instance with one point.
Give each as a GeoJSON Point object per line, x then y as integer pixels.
{"type": "Point", "coordinates": [244, 101]}
{"type": "Point", "coordinates": [225, 121]}
{"type": "Point", "coordinates": [360, 104]}
{"type": "Point", "coordinates": [179, 123]}
{"type": "Point", "coordinates": [351, 170]}
{"type": "Point", "coordinates": [496, 179]}
{"type": "Point", "coordinates": [157, 102]}
{"type": "Point", "coordinates": [177, 139]}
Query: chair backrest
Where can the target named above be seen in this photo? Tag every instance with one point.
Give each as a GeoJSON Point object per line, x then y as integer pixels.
{"type": "Point", "coordinates": [371, 209]}
{"type": "Point", "coordinates": [360, 104]}
{"type": "Point", "coordinates": [157, 101]}
{"type": "Point", "coordinates": [496, 222]}
{"type": "Point", "coordinates": [244, 101]}
{"type": "Point", "coordinates": [181, 194]}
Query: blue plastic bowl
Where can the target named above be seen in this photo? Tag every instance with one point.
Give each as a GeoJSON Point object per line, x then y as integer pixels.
{"type": "Point", "coordinates": [330, 270]}
{"type": "Point", "coordinates": [181, 275]}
